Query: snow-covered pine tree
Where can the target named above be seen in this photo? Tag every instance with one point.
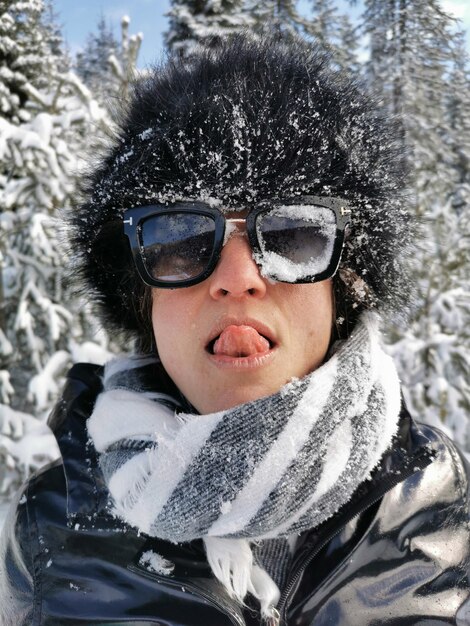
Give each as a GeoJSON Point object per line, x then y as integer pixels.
{"type": "Point", "coordinates": [412, 51]}
{"type": "Point", "coordinates": [277, 14]}
{"type": "Point", "coordinates": [319, 20]}
{"type": "Point", "coordinates": [92, 63]}
{"type": "Point", "coordinates": [44, 327]}
{"type": "Point", "coordinates": [124, 63]}
{"type": "Point", "coordinates": [286, 17]}
{"type": "Point", "coordinates": [56, 44]}
{"type": "Point", "coordinates": [336, 32]}
{"type": "Point", "coordinates": [348, 49]}
{"type": "Point", "coordinates": [22, 52]}
{"type": "Point", "coordinates": [452, 306]}
{"type": "Point", "coordinates": [107, 66]}
{"type": "Point", "coordinates": [196, 22]}
{"type": "Point", "coordinates": [458, 111]}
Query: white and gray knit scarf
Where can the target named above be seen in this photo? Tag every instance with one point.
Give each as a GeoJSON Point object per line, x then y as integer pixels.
{"type": "Point", "coordinates": [268, 468]}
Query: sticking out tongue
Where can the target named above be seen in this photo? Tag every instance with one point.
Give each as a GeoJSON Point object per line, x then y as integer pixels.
{"type": "Point", "coordinates": [239, 341]}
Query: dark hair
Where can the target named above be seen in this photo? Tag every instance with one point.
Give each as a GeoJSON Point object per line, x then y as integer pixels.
{"type": "Point", "coordinates": [246, 120]}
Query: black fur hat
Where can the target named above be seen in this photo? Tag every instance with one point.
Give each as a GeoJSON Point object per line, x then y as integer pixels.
{"type": "Point", "coordinates": [250, 119]}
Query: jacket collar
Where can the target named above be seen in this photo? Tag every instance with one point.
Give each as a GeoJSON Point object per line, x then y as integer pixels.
{"type": "Point", "coordinates": [87, 495]}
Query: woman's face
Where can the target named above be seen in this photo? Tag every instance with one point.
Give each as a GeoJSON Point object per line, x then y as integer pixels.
{"type": "Point", "coordinates": [236, 337]}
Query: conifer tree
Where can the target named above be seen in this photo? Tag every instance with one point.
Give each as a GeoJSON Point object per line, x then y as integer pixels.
{"type": "Point", "coordinates": [413, 44]}
{"type": "Point", "coordinates": [280, 15]}
{"type": "Point", "coordinates": [43, 326]}
{"type": "Point", "coordinates": [325, 24]}
{"type": "Point", "coordinates": [23, 49]}
{"type": "Point", "coordinates": [53, 34]}
{"type": "Point", "coordinates": [198, 22]}
{"type": "Point", "coordinates": [458, 113]}
{"type": "Point", "coordinates": [124, 62]}
{"type": "Point", "coordinates": [107, 66]}
{"type": "Point", "coordinates": [336, 33]}
{"type": "Point", "coordinates": [92, 64]}
{"type": "Point", "coordinates": [347, 50]}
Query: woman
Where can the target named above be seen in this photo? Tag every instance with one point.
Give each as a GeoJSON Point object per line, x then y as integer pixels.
{"type": "Point", "coordinates": [252, 462]}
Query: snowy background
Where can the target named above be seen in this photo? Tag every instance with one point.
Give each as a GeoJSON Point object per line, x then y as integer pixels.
{"type": "Point", "coordinates": [65, 67]}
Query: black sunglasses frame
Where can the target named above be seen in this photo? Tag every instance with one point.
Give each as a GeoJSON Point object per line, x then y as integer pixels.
{"type": "Point", "coordinates": [135, 216]}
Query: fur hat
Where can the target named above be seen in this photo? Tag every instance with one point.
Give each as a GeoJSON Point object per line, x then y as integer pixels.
{"type": "Point", "coordinates": [250, 119]}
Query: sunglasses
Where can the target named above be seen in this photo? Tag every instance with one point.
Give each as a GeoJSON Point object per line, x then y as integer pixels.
{"type": "Point", "coordinates": [293, 241]}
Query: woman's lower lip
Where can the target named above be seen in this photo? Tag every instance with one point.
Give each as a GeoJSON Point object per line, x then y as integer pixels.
{"type": "Point", "coordinates": [252, 361]}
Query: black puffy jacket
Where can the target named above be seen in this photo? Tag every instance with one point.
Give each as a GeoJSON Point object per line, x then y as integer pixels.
{"type": "Point", "coordinates": [397, 554]}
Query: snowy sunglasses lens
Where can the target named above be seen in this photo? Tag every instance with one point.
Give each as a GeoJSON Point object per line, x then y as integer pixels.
{"type": "Point", "coordinates": [296, 242]}
{"type": "Point", "coordinates": [179, 245]}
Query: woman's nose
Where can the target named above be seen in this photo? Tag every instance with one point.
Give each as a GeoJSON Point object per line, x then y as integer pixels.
{"type": "Point", "coordinates": [236, 273]}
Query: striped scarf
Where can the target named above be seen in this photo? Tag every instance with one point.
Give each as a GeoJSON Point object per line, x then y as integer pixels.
{"type": "Point", "coordinates": [269, 468]}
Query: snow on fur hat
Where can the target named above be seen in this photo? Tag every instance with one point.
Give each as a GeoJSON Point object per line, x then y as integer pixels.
{"type": "Point", "coordinates": [248, 120]}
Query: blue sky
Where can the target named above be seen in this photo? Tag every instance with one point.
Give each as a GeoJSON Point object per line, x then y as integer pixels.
{"type": "Point", "coordinates": [148, 17]}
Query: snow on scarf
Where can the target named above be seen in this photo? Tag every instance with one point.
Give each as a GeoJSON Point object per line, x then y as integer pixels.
{"type": "Point", "coordinates": [268, 468]}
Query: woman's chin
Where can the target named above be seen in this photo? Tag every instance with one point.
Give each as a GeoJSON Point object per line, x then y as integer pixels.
{"type": "Point", "coordinates": [230, 398]}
